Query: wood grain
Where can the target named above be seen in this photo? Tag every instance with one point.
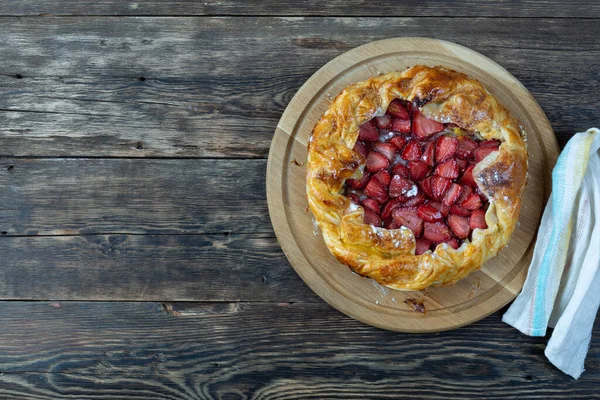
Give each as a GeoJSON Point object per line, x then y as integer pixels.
{"type": "Point", "coordinates": [237, 267]}
{"type": "Point", "coordinates": [55, 350]}
{"type": "Point", "coordinates": [85, 196]}
{"type": "Point", "coordinates": [497, 282]}
{"type": "Point", "coordinates": [210, 88]}
{"type": "Point", "coordinates": [412, 8]}
{"type": "Point", "coordinates": [126, 117]}
{"type": "Point", "coordinates": [215, 87]}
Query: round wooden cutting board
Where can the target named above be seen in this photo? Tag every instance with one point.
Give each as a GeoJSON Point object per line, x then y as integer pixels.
{"type": "Point", "coordinates": [436, 308]}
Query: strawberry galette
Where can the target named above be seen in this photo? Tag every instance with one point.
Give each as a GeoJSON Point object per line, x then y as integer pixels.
{"type": "Point", "coordinates": [415, 178]}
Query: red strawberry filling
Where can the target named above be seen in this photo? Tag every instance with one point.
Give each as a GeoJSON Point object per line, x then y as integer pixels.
{"type": "Point", "coordinates": [419, 174]}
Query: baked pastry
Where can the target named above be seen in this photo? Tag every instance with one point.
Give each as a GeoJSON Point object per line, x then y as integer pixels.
{"type": "Point", "coordinates": [415, 177]}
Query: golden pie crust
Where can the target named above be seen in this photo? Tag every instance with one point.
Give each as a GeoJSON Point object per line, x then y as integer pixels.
{"type": "Point", "coordinates": [388, 255]}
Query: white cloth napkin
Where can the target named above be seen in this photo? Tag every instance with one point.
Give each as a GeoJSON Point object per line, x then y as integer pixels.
{"type": "Point", "coordinates": [562, 289]}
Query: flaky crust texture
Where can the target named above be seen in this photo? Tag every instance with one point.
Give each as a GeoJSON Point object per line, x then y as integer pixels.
{"type": "Point", "coordinates": [388, 255]}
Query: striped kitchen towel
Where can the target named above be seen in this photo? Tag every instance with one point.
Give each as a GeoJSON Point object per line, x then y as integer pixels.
{"type": "Point", "coordinates": [562, 289]}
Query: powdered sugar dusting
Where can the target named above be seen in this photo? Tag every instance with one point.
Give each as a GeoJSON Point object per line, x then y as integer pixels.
{"type": "Point", "coordinates": [353, 207]}
{"type": "Point", "coordinates": [315, 227]}
{"type": "Point", "coordinates": [384, 137]}
{"type": "Point", "coordinates": [382, 289]}
{"type": "Point", "coordinates": [413, 191]}
{"type": "Point", "coordinates": [399, 160]}
{"type": "Point", "coordinates": [377, 231]}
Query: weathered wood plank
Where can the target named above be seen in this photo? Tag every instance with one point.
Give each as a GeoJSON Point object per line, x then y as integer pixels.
{"type": "Point", "coordinates": [84, 196]}
{"type": "Point", "coordinates": [240, 47]}
{"type": "Point", "coordinates": [239, 267]}
{"type": "Point", "coordinates": [413, 8]}
{"type": "Point", "coordinates": [215, 87]}
{"type": "Point", "coordinates": [172, 117]}
{"type": "Point", "coordinates": [265, 351]}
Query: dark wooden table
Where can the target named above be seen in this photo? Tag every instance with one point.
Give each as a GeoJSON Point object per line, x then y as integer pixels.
{"type": "Point", "coordinates": [137, 259]}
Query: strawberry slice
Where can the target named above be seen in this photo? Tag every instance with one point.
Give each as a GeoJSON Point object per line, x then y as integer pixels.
{"type": "Point", "coordinates": [368, 132]}
{"type": "Point", "coordinates": [360, 148]}
{"type": "Point", "coordinates": [377, 191]}
{"type": "Point", "coordinates": [372, 205]}
{"type": "Point", "coordinates": [452, 194]}
{"type": "Point", "coordinates": [466, 148]}
{"type": "Point", "coordinates": [397, 110]}
{"type": "Point", "coordinates": [477, 220]}
{"type": "Point", "coordinates": [401, 170]}
{"type": "Point", "coordinates": [445, 148]}
{"type": "Point", "coordinates": [490, 143]}
{"type": "Point", "coordinates": [422, 246]}
{"type": "Point", "coordinates": [467, 190]}
{"type": "Point", "coordinates": [467, 178]}
{"type": "Point", "coordinates": [372, 219]}
{"type": "Point", "coordinates": [453, 243]}
{"type": "Point", "coordinates": [462, 164]}
{"type": "Point", "coordinates": [472, 202]}
{"type": "Point", "coordinates": [389, 207]}
{"type": "Point", "coordinates": [441, 207]}
{"type": "Point", "coordinates": [399, 141]}
{"type": "Point", "coordinates": [401, 125]}
{"type": "Point", "coordinates": [458, 210]}
{"type": "Point", "coordinates": [482, 195]}
{"type": "Point", "coordinates": [383, 122]}
{"type": "Point", "coordinates": [428, 213]}
{"type": "Point", "coordinates": [448, 169]}
{"type": "Point", "coordinates": [418, 170]}
{"type": "Point", "coordinates": [408, 217]}
{"type": "Point", "coordinates": [459, 225]}
{"type": "Point", "coordinates": [384, 177]}
{"type": "Point", "coordinates": [483, 152]}
{"type": "Point", "coordinates": [416, 200]}
{"type": "Point", "coordinates": [354, 198]}
{"type": "Point", "coordinates": [436, 232]}
{"type": "Point", "coordinates": [387, 149]}
{"type": "Point", "coordinates": [423, 127]}
{"type": "Point", "coordinates": [400, 187]}
{"type": "Point", "coordinates": [376, 161]}
{"type": "Point", "coordinates": [359, 183]}
{"type": "Point", "coordinates": [391, 225]}
{"type": "Point", "coordinates": [439, 186]}
{"type": "Point", "coordinates": [429, 154]}
{"type": "Point", "coordinates": [412, 151]}
{"type": "Point", "coordinates": [426, 186]}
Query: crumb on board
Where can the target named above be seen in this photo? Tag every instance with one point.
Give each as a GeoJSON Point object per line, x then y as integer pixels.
{"type": "Point", "coordinates": [475, 286]}
{"type": "Point", "coordinates": [294, 161]}
{"type": "Point", "coordinates": [417, 305]}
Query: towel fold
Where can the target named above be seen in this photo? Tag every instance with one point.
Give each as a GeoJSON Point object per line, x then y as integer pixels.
{"type": "Point", "coordinates": [562, 289]}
